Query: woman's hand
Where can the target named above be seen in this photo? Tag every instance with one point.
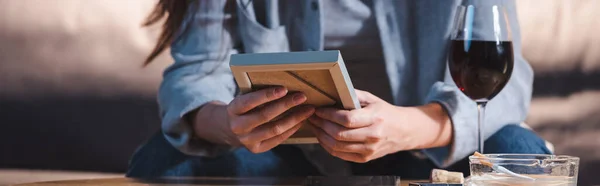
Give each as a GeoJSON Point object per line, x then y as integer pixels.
{"type": "Point", "coordinates": [250, 119]}
{"type": "Point", "coordinates": [380, 128]}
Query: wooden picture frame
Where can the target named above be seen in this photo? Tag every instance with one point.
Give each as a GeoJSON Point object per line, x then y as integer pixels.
{"type": "Point", "coordinates": [320, 75]}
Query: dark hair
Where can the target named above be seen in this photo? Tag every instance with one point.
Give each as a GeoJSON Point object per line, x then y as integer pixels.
{"type": "Point", "coordinates": [175, 11]}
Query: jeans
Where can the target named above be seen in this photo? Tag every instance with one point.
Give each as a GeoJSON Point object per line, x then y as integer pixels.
{"type": "Point", "coordinates": [158, 158]}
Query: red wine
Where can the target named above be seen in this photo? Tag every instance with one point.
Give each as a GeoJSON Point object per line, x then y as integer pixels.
{"type": "Point", "coordinates": [481, 69]}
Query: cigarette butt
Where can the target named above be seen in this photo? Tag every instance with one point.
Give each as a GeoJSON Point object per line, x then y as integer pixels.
{"type": "Point", "coordinates": [484, 162]}
{"type": "Point", "coordinates": [479, 155]}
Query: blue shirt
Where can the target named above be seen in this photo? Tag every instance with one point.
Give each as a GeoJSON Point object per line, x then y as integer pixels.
{"type": "Point", "coordinates": [413, 36]}
{"type": "Point", "coordinates": [351, 28]}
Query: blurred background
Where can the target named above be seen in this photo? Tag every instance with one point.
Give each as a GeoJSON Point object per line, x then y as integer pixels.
{"type": "Point", "coordinates": [70, 74]}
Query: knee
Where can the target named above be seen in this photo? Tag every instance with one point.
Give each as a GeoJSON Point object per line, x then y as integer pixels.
{"type": "Point", "coordinates": [154, 158]}
{"type": "Point", "coordinates": [515, 139]}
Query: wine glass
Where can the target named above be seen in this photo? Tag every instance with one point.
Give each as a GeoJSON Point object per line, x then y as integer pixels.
{"type": "Point", "coordinates": [480, 58]}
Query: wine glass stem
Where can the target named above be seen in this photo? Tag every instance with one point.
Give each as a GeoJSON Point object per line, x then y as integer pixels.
{"type": "Point", "coordinates": [481, 117]}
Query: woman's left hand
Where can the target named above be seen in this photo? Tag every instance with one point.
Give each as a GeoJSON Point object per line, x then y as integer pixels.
{"type": "Point", "coordinates": [380, 128]}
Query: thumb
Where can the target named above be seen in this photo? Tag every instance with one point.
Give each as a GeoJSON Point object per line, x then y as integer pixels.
{"type": "Point", "coordinates": [365, 97]}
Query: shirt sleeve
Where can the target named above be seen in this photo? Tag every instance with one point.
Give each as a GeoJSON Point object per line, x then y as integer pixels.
{"type": "Point", "coordinates": [510, 106]}
{"type": "Point", "coordinates": [200, 74]}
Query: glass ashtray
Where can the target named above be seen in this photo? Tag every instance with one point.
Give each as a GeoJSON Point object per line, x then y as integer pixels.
{"type": "Point", "coordinates": [523, 169]}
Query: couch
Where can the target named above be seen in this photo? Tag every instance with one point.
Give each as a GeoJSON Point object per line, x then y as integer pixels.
{"type": "Point", "coordinates": [70, 73]}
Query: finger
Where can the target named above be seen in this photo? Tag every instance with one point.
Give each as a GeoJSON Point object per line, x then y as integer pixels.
{"type": "Point", "coordinates": [348, 156]}
{"type": "Point", "coordinates": [276, 128]}
{"type": "Point", "coordinates": [271, 143]}
{"type": "Point", "coordinates": [350, 119]}
{"type": "Point", "coordinates": [342, 146]}
{"type": "Point", "coordinates": [249, 101]}
{"type": "Point", "coordinates": [365, 97]}
{"type": "Point", "coordinates": [265, 114]}
{"type": "Point", "coordinates": [341, 133]}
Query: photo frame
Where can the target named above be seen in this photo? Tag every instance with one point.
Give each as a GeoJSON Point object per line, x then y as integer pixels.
{"type": "Point", "coordinates": [320, 75]}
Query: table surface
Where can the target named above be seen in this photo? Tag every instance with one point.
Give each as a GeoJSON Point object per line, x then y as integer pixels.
{"type": "Point", "coordinates": [375, 180]}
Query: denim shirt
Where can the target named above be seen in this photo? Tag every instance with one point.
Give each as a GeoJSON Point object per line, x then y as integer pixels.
{"type": "Point", "coordinates": [414, 37]}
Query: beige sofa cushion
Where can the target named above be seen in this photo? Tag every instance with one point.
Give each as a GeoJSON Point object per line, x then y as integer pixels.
{"type": "Point", "coordinates": [77, 47]}
{"type": "Point", "coordinates": [561, 35]}
{"type": "Point", "coordinates": [561, 40]}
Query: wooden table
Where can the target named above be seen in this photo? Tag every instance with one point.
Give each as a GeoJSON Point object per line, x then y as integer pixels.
{"type": "Point", "coordinates": [201, 181]}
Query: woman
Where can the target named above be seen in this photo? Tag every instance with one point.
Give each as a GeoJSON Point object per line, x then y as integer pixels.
{"type": "Point", "coordinates": [414, 119]}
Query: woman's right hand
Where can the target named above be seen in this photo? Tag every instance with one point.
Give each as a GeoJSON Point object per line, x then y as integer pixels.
{"type": "Point", "coordinates": [251, 117]}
